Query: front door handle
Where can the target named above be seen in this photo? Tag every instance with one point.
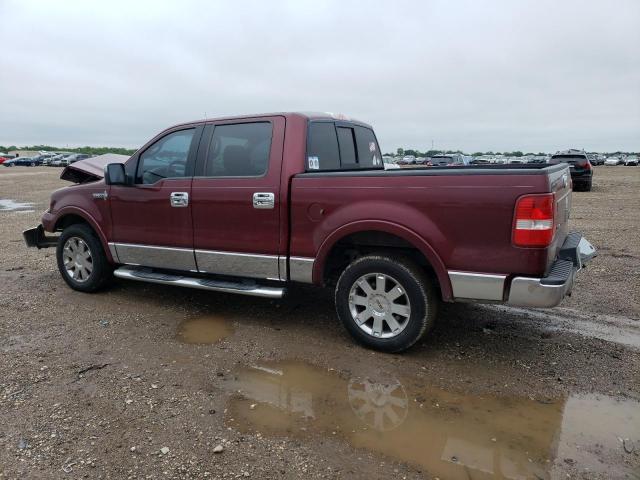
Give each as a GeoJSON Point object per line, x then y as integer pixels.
{"type": "Point", "coordinates": [264, 200]}
{"type": "Point", "coordinates": [179, 199]}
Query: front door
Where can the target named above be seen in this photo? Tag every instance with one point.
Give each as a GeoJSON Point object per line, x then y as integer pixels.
{"type": "Point", "coordinates": [236, 198]}
{"type": "Point", "coordinates": [152, 218]}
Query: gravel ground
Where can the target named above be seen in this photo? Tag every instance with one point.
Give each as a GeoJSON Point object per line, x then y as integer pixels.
{"type": "Point", "coordinates": [112, 385]}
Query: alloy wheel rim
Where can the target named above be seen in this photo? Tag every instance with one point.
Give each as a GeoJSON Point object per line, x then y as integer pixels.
{"type": "Point", "coordinates": [379, 305]}
{"type": "Point", "coordinates": [77, 259]}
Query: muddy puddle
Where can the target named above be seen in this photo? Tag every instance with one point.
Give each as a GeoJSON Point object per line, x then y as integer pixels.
{"type": "Point", "coordinates": [449, 435]}
{"type": "Point", "coordinates": [204, 330]}
{"type": "Point", "coordinates": [8, 205]}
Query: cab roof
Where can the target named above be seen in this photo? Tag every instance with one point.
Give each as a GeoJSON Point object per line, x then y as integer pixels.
{"type": "Point", "coordinates": [312, 116]}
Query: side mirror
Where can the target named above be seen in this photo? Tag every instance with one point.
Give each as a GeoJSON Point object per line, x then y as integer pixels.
{"type": "Point", "coordinates": [114, 174]}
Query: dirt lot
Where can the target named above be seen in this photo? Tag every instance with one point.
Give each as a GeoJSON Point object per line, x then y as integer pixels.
{"type": "Point", "coordinates": [144, 381]}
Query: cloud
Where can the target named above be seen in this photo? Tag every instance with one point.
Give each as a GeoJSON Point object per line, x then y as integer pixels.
{"type": "Point", "coordinates": [476, 75]}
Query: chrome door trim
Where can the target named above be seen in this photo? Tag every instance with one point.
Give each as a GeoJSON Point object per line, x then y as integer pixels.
{"type": "Point", "coordinates": [172, 258]}
{"type": "Point", "coordinates": [238, 264]}
{"type": "Point", "coordinates": [301, 269]}
{"type": "Point", "coordinates": [179, 199]}
{"type": "Point", "coordinates": [264, 200]}
{"type": "Point", "coordinates": [477, 286]}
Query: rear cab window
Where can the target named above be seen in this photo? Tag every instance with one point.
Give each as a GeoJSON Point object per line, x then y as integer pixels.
{"type": "Point", "coordinates": [335, 146]}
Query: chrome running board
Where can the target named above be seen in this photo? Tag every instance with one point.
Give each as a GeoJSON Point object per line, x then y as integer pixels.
{"type": "Point", "coordinates": [243, 288]}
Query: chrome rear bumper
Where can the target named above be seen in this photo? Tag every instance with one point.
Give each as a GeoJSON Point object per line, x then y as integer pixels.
{"type": "Point", "coordinates": [549, 291]}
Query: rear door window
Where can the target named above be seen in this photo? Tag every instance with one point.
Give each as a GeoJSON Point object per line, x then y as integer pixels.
{"type": "Point", "coordinates": [239, 150]}
{"type": "Point", "coordinates": [322, 147]}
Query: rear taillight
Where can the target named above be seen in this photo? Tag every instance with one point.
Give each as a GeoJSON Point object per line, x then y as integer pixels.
{"type": "Point", "coordinates": [533, 225]}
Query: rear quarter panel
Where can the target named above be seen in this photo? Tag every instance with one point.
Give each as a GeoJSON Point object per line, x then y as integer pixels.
{"type": "Point", "coordinates": [465, 220]}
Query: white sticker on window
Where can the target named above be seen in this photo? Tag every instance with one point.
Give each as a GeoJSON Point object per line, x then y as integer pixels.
{"type": "Point", "coordinates": [372, 146]}
{"type": "Point", "coordinates": [314, 163]}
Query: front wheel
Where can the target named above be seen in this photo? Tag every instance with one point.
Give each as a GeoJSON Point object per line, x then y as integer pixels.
{"type": "Point", "coordinates": [386, 303]}
{"type": "Point", "coordinates": [81, 259]}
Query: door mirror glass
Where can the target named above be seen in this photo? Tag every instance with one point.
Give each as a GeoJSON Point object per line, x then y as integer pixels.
{"type": "Point", "coordinates": [114, 174]}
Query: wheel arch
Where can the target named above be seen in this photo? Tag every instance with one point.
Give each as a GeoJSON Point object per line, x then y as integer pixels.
{"type": "Point", "coordinates": [369, 236]}
{"type": "Point", "coordinates": [71, 216]}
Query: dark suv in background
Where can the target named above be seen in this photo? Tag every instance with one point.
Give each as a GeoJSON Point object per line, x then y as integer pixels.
{"type": "Point", "coordinates": [580, 166]}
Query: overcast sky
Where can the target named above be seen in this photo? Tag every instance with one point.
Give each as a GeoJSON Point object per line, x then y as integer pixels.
{"type": "Point", "coordinates": [475, 75]}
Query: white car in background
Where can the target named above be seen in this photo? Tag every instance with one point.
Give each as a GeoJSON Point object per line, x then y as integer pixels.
{"type": "Point", "coordinates": [631, 160]}
{"type": "Point", "coordinates": [613, 161]}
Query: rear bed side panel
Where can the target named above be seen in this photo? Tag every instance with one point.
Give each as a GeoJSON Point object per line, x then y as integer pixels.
{"type": "Point", "coordinates": [465, 219]}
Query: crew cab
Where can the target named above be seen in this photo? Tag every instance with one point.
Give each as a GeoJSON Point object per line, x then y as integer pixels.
{"type": "Point", "coordinates": [250, 204]}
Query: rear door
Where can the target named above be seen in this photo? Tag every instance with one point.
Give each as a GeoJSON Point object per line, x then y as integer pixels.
{"type": "Point", "coordinates": [152, 218]}
{"type": "Point", "coordinates": [235, 194]}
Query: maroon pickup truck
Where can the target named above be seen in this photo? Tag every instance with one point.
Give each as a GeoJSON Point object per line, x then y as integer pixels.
{"type": "Point", "coordinates": [248, 204]}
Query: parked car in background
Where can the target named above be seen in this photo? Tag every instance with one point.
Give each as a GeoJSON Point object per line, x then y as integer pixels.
{"type": "Point", "coordinates": [613, 161]}
{"type": "Point", "coordinates": [23, 162]}
{"type": "Point", "coordinates": [631, 160]}
{"type": "Point", "coordinates": [537, 160]}
{"type": "Point", "coordinates": [448, 160]}
{"type": "Point", "coordinates": [595, 159]}
{"type": "Point", "coordinates": [407, 160]}
{"type": "Point", "coordinates": [480, 161]}
{"type": "Point", "coordinates": [43, 158]}
{"type": "Point", "coordinates": [75, 158]}
{"type": "Point", "coordinates": [57, 160]}
{"type": "Point", "coordinates": [579, 165]}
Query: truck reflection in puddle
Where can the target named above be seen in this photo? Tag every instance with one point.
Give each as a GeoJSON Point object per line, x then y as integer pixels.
{"type": "Point", "coordinates": [450, 435]}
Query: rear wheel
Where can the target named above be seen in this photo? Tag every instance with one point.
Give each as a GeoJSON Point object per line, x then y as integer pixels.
{"type": "Point", "coordinates": [386, 303]}
{"type": "Point", "coordinates": [81, 259]}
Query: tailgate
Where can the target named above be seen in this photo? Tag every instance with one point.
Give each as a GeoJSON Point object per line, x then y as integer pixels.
{"type": "Point", "coordinates": [560, 185]}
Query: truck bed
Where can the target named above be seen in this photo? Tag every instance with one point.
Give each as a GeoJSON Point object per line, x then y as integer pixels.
{"type": "Point", "coordinates": [464, 214]}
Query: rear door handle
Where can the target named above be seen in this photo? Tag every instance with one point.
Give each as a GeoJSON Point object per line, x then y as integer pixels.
{"type": "Point", "coordinates": [264, 200]}
{"type": "Point", "coordinates": [179, 199]}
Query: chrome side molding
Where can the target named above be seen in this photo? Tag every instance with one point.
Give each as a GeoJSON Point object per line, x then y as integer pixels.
{"type": "Point", "coordinates": [238, 264]}
{"type": "Point", "coordinates": [242, 288]}
{"type": "Point", "coordinates": [171, 258]}
{"type": "Point", "coordinates": [477, 286]}
{"type": "Point", "coordinates": [301, 269]}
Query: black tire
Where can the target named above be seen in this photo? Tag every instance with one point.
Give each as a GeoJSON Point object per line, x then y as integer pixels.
{"type": "Point", "coordinates": [101, 272]}
{"type": "Point", "coordinates": [587, 187]}
{"type": "Point", "coordinates": [417, 287]}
